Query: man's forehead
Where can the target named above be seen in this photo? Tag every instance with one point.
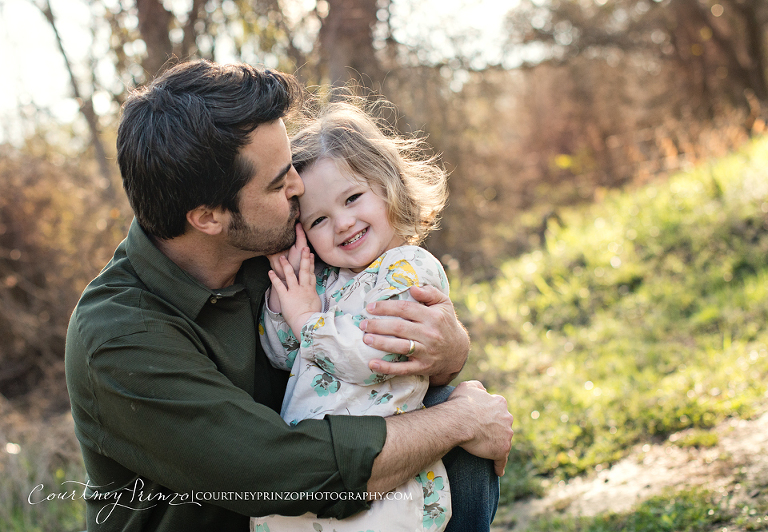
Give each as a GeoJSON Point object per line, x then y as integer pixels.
{"type": "Point", "coordinates": [268, 151]}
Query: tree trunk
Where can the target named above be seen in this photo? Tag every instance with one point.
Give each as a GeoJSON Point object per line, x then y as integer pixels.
{"type": "Point", "coordinates": [754, 45]}
{"type": "Point", "coordinates": [346, 40]}
{"type": "Point", "coordinates": [274, 11]}
{"type": "Point", "coordinates": [188, 46]}
{"type": "Point", "coordinates": [154, 24]}
{"type": "Point", "coordinates": [692, 11]}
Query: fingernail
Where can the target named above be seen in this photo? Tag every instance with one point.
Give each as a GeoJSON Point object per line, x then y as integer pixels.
{"type": "Point", "coordinates": [375, 366]}
{"type": "Point", "coordinates": [371, 307]}
{"type": "Point", "coordinates": [363, 325]}
{"type": "Point", "coordinates": [367, 339]}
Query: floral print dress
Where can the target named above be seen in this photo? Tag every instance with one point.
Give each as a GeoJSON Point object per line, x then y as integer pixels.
{"type": "Point", "coordinates": [330, 376]}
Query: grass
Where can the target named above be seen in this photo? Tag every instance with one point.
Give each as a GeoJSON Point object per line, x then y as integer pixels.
{"type": "Point", "coordinates": [693, 510]}
{"type": "Point", "coordinates": [641, 316]}
{"type": "Point", "coordinates": [700, 439]}
{"type": "Point", "coordinates": [32, 464]}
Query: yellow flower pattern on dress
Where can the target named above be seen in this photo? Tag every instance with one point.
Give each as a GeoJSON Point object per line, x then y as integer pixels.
{"type": "Point", "coordinates": [375, 265]}
{"type": "Point", "coordinates": [402, 274]}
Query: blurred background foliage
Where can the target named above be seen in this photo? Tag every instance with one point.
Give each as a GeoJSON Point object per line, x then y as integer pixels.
{"type": "Point", "coordinates": [608, 302]}
{"type": "Point", "coordinates": [642, 316]}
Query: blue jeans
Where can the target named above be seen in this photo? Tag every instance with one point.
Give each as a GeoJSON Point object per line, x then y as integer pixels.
{"type": "Point", "coordinates": [474, 484]}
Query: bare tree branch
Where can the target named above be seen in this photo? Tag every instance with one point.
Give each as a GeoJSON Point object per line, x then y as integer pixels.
{"type": "Point", "coordinates": [86, 105]}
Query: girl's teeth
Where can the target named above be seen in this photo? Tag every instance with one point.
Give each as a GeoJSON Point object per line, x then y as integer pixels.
{"type": "Point", "coordinates": [357, 237]}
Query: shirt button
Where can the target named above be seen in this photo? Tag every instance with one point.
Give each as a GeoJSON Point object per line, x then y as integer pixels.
{"type": "Point", "coordinates": [214, 299]}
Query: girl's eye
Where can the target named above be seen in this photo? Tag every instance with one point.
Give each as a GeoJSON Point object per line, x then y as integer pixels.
{"type": "Point", "coordinates": [317, 221]}
{"type": "Point", "coordinates": [353, 197]}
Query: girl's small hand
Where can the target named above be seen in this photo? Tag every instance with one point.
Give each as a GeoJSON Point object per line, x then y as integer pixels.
{"type": "Point", "coordinates": [293, 254]}
{"type": "Point", "coordinates": [298, 295]}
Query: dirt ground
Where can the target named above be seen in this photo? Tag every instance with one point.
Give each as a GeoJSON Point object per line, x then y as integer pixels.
{"type": "Point", "coordinates": [738, 464]}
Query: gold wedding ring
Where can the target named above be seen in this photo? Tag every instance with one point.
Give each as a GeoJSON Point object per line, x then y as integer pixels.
{"type": "Point", "coordinates": [412, 349]}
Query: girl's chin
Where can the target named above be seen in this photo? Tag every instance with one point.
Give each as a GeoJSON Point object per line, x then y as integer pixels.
{"type": "Point", "coordinates": [357, 267]}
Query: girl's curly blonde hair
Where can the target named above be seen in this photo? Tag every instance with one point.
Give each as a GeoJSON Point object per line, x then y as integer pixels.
{"type": "Point", "coordinates": [411, 182]}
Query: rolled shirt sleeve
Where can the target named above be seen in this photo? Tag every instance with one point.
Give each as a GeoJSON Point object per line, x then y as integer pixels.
{"type": "Point", "coordinates": [178, 398]}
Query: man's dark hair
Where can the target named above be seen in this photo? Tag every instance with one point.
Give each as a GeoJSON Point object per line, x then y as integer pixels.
{"type": "Point", "coordinates": [180, 136]}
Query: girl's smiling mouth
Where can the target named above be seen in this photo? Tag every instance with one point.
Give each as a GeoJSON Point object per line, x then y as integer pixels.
{"type": "Point", "coordinates": [354, 239]}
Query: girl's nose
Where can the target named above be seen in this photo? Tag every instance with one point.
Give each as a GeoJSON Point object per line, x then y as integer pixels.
{"type": "Point", "coordinates": [343, 223]}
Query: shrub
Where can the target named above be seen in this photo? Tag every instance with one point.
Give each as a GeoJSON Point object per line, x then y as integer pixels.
{"type": "Point", "coordinates": [57, 229]}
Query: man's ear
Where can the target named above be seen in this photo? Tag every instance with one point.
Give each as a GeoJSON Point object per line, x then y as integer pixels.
{"type": "Point", "coordinates": [208, 220]}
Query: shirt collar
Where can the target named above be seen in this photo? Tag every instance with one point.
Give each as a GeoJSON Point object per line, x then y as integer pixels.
{"type": "Point", "coordinates": [166, 279]}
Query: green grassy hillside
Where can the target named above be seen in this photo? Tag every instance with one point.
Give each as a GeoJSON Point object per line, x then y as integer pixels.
{"type": "Point", "coordinates": [641, 316]}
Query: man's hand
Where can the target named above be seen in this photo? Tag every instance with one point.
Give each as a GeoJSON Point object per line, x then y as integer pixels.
{"type": "Point", "coordinates": [470, 418]}
{"type": "Point", "coordinates": [292, 254]}
{"type": "Point", "coordinates": [489, 421]}
{"type": "Point", "coordinates": [440, 343]}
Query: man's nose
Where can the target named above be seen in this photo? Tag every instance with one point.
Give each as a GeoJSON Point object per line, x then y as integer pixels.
{"type": "Point", "coordinates": [294, 186]}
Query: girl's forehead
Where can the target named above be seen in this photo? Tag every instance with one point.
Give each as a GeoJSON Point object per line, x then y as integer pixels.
{"type": "Point", "coordinates": [330, 175]}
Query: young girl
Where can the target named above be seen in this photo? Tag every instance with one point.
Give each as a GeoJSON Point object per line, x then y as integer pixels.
{"type": "Point", "coordinates": [369, 200]}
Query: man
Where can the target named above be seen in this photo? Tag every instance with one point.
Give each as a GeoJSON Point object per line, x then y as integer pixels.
{"type": "Point", "coordinates": [175, 404]}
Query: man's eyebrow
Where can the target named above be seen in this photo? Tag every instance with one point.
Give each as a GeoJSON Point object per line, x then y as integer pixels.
{"type": "Point", "coordinates": [280, 176]}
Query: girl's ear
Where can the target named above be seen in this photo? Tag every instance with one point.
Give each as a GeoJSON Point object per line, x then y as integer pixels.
{"type": "Point", "coordinates": [207, 220]}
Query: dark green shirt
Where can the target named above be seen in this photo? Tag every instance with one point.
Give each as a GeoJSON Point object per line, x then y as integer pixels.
{"type": "Point", "coordinates": [174, 401]}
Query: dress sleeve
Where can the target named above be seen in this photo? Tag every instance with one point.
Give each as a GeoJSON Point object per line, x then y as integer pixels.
{"type": "Point", "coordinates": [333, 339]}
{"type": "Point", "coordinates": [277, 338]}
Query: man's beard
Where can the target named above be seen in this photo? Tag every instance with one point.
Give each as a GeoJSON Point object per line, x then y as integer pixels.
{"type": "Point", "coordinates": [263, 241]}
